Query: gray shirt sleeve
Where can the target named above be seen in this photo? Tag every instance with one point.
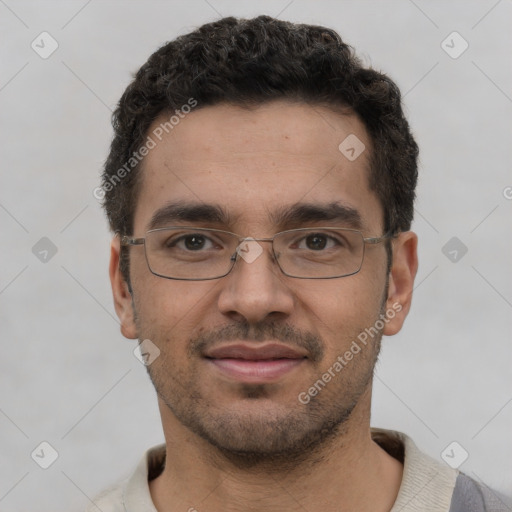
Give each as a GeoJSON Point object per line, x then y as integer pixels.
{"type": "Point", "coordinates": [471, 496]}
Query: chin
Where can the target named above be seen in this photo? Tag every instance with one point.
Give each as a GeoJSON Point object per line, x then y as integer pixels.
{"type": "Point", "coordinates": [259, 434]}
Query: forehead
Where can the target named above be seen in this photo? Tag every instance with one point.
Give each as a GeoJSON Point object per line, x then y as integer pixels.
{"type": "Point", "coordinates": [255, 162]}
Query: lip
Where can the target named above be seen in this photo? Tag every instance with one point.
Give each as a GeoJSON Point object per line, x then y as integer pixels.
{"type": "Point", "coordinates": [263, 363]}
{"type": "Point", "coordinates": [255, 353]}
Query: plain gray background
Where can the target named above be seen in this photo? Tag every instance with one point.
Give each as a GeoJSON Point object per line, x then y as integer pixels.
{"type": "Point", "coordinates": [68, 376]}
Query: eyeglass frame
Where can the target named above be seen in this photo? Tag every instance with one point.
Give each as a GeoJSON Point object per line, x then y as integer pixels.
{"type": "Point", "coordinates": [127, 241]}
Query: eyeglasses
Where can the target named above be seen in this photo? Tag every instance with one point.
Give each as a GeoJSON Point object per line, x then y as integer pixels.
{"type": "Point", "coordinates": [197, 254]}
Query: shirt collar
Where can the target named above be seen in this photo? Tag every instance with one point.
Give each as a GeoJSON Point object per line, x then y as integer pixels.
{"type": "Point", "coordinates": [427, 484]}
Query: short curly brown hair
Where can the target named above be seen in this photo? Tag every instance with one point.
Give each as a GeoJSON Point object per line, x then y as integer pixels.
{"type": "Point", "coordinates": [248, 62]}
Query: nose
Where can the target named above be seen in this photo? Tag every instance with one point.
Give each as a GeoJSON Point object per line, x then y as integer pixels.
{"type": "Point", "coordinates": [256, 288]}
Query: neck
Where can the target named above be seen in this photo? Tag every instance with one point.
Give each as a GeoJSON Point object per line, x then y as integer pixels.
{"type": "Point", "coordinates": [349, 469]}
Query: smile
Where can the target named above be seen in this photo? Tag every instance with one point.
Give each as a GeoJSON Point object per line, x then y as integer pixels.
{"type": "Point", "coordinates": [255, 364]}
{"type": "Point", "coordinates": [262, 370]}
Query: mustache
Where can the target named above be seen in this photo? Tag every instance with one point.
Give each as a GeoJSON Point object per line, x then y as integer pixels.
{"type": "Point", "coordinates": [243, 331]}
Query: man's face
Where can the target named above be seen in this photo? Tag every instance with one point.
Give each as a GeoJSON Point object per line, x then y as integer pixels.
{"type": "Point", "coordinates": [255, 164]}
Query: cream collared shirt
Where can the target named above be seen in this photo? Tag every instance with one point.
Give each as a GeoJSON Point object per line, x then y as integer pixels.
{"type": "Point", "coordinates": [427, 485]}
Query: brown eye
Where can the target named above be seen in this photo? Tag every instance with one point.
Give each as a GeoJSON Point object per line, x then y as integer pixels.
{"type": "Point", "coordinates": [316, 242]}
{"type": "Point", "coordinates": [194, 242]}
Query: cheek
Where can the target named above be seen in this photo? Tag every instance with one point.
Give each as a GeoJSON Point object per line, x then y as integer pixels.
{"type": "Point", "coordinates": [348, 298]}
{"type": "Point", "coordinates": [341, 309]}
{"type": "Point", "coordinates": [169, 309]}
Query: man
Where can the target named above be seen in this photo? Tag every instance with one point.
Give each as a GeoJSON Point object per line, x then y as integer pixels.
{"type": "Point", "coordinates": [261, 185]}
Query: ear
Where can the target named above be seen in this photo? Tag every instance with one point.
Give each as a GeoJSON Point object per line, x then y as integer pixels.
{"type": "Point", "coordinates": [122, 296]}
{"type": "Point", "coordinates": [401, 280]}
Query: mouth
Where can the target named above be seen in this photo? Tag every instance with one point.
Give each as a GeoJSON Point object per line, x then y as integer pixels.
{"type": "Point", "coordinates": [255, 364]}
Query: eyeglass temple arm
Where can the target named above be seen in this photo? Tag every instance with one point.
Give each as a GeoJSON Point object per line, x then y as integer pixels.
{"type": "Point", "coordinates": [126, 240]}
{"type": "Point", "coordinates": [378, 240]}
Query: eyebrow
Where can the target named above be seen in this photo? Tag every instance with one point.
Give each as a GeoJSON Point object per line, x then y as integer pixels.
{"type": "Point", "coordinates": [189, 212]}
{"type": "Point", "coordinates": [285, 217]}
{"type": "Point", "coordinates": [299, 214]}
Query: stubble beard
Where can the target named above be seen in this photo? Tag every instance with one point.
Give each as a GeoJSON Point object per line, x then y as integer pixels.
{"type": "Point", "coordinates": [274, 439]}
